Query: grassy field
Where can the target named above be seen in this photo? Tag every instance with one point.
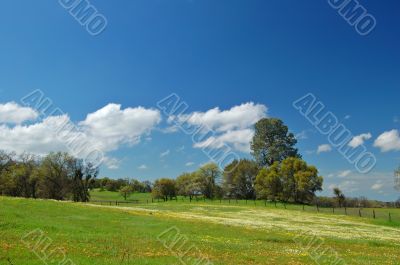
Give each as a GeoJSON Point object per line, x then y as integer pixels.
{"type": "Point", "coordinates": [222, 234]}
{"type": "Point", "coordinates": [381, 214]}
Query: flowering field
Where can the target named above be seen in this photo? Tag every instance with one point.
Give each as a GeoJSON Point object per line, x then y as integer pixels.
{"type": "Point", "coordinates": [51, 232]}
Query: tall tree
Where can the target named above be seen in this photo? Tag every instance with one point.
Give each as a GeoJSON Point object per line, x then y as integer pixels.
{"type": "Point", "coordinates": [239, 179]}
{"type": "Point", "coordinates": [340, 198]}
{"type": "Point", "coordinates": [272, 142]}
{"type": "Point", "coordinates": [208, 176]}
{"type": "Point", "coordinates": [268, 183]}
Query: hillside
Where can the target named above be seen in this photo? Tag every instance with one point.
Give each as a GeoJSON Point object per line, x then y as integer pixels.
{"type": "Point", "coordinates": [145, 234]}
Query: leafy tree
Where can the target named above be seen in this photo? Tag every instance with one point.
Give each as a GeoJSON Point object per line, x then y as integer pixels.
{"type": "Point", "coordinates": [188, 184]}
{"type": "Point", "coordinates": [340, 198]}
{"type": "Point", "coordinates": [164, 188]}
{"type": "Point", "coordinates": [300, 181]}
{"type": "Point", "coordinates": [291, 180]}
{"type": "Point", "coordinates": [82, 180]}
{"type": "Point", "coordinates": [239, 179]}
{"type": "Point", "coordinates": [208, 176]}
{"type": "Point", "coordinates": [55, 175]}
{"type": "Point", "coordinates": [126, 191]}
{"type": "Point", "coordinates": [272, 142]}
{"type": "Point", "coordinates": [268, 183]}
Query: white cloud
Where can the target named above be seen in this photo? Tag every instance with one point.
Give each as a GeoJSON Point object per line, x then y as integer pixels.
{"type": "Point", "coordinates": [345, 173]}
{"type": "Point", "coordinates": [233, 127]}
{"type": "Point", "coordinates": [377, 186]}
{"type": "Point", "coordinates": [163, 154]}
{"type": "Point", "coordinates": [359, 139]}
{"type": "Point", "coordinates": [302, 135]}
{"type": "Point", "coordinates": [105, 130]}
{"type": "Point", "coordinates": [388, 141]}
{"type": "Point", "coordinates": [142, 167]}
{"type": "Point", "coordinates": [239, 139]}
{"type": "Point", "coordinates": [324, 148]}
{"type": "Point", "coordinates": [39, 138]}
{"type": "Point", "coordinates": [112, 126]}
{"type": "Point", "coordinates": [112, 163]}
{"type": "Point", "coordinates": [189, 164]}
{"type": "Point", "coordinates": [349, 186]}
{"type": "Point", "coordinates": [11, 112]}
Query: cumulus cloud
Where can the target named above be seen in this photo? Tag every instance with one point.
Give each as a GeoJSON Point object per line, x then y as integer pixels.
{"type": "Point", "coordinates": [39, 138]}
{"type": "Point", "coordinates": [104, 130]}
{"type": "Point", "coordinates": [233, 127]}
{"type": "Point", "coordinates": [11, 112]}
{"type": "Point", "coordinates": [189, 164]}
{"type": "Point", "coordinates": [238, 139]}
{"type": "Point", "coordinates": [112, 126]}
{"type": "Point", "coordinates": [388, 141]}
{"type": "Point", "coordinates": [359, 139]}
{"type": "Point", "coordinates": [324, 148]}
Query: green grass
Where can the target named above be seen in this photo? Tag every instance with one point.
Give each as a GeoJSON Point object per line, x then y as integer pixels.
{"type": "Point", "coordinates": [226, 234]}
{"type": "Point", "coordinates": [98, 195]}
{"type": "Point", "coordinates": [381, 214]}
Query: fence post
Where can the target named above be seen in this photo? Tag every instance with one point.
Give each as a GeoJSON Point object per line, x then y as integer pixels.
{"type": "Point", "coordinates": [333, 209]}
{"type": "Point", "coordinates": [390, 217]}
{"type": "Point", "coordinates": [265, 203]}
{"type": "Point", "coordinates": [345, 210]}
{"type": "Point", "coordinates": [359, 212]}
{"type": "Point", "coordinates": [317, 208]}
{"type": "Point", "coordinates": [373, 211]}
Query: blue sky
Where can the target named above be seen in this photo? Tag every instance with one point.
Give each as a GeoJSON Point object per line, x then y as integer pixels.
{"type": "Point", "coordinates": [213, 54]}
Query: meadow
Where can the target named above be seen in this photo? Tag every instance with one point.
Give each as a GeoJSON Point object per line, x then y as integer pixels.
{"type": "Point", "coordinates": [215, 232]}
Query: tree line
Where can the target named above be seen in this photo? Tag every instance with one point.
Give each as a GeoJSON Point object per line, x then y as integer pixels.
{"type": "Point", "coordinates": [56, 176]}
{"type": "Point", "coordinates": [276, 172]}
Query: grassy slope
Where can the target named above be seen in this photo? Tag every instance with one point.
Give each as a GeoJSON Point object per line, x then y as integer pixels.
{"type": "Point", "coordinates": [225, 234]}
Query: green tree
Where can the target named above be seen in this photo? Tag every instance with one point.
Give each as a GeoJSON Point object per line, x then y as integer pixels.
{"type": "Point", "coordinates": [272, 142]}
{"type": "Point", "coordinates": [83, 179]}
{"type": "Point", "coordinates": [269, 183]}
{"type": "Point", "coordinates": [164, 188]}
{"type": "Point", "coordinates": [300, 182]}
{"type": "Point", "coordinates": [55, 176]}
{"type": "Point", "coordinates": [126, 191]}
{"type": "Point", "coordinates": [208, 177]}
{"type": "Point", "coordinates": [340, 198]}
{"type": "Point", "coordinates": [188, 184]}
{"type": "Point", "coordinates": [239, 179]}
